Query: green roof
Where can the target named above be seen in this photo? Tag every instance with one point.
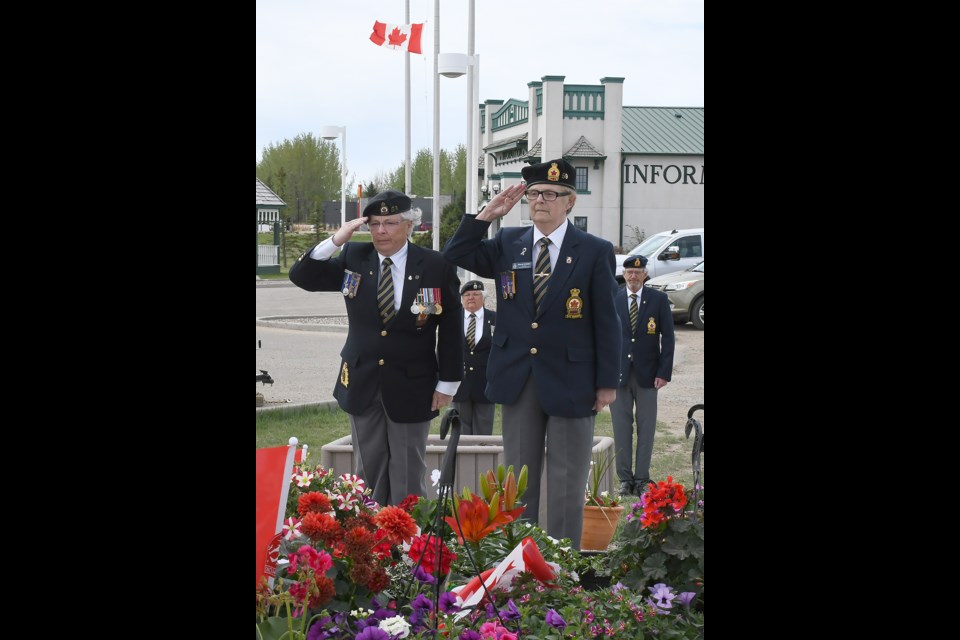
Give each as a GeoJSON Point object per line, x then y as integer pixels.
{"type": "Point", "coordinates": [663, 130]}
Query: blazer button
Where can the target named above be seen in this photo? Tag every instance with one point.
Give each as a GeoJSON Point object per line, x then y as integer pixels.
{"type": "Point", "coordinates": [383, 333]}
{"type": "Point", "coordinates": [534, 326]}
{"type": "Point", "coordinates": [533, 351]}
{"type": "Point", "coordinates": [471, 368]}
{"type": "Point", "coordinates": [380, 362]}
{"type": "Point", "coordinates": [471, 353]}
{"type": "Point", "coordinates": [631, 339]}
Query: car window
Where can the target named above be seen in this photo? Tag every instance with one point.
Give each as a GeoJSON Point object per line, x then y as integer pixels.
{"type": "Point", "coordinates": [649, 245]}
{"type": "Point", "coordinates": [690, 246]}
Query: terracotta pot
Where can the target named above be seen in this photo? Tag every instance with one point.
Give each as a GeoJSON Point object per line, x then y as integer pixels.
{"type": "Point", "coordinates": [599, 524]}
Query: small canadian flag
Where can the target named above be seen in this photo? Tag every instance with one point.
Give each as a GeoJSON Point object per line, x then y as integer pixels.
{"type": "Point", "coordinates": [399, 37]}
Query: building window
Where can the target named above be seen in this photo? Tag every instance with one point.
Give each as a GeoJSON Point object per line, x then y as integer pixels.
{"type": "Point", "coordinates": [580, 222]}
{"type": "Point", "coordinates": [582, 184]}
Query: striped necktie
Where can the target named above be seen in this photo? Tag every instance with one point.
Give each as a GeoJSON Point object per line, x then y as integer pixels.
{"type": "Point", "coordinates": [634, 313]}
{"type": "Point", "coordinates": [385, 292]}
{"type": "Point", "coordinates": [472, 332]}
{"type": "Point", "coordinates": [542, 273]}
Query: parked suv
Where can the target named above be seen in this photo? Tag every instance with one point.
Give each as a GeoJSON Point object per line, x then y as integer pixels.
{"type": "Point", "coordinates": [685, 291]}
{"type": "Point", "coordinates": [667, 251]}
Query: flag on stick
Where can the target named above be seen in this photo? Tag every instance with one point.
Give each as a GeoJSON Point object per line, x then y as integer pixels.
{"type": "Point", "coordinates": [274, 468]}
{"type": "Point", "coordinates": [399, 37]}
{"type": "Point", "coordinates": [525, 557]}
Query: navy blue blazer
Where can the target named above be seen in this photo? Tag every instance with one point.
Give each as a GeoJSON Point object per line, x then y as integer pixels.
{"type": "Point", "coordinates": [572, 347]}
{"type": "Point", "coordinates": [648, 353]}
{"type": "Point", "coordinates": [403, 359]}
{"type": "Point", "coordinates": [475, 362]}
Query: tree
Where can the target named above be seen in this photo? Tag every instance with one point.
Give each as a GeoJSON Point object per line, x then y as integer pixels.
{"type": "Point", "coordinates": [304, 172]}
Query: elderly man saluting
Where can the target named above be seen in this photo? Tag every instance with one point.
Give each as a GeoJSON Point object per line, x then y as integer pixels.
{"type": "Point", "coordinates": [555, 357]}
{"type": "Point", "coordinates": [403, 358]}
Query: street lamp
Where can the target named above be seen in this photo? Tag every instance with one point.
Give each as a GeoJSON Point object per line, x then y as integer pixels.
{"type": "Point", "coordinates": [454, 65]}
{"type": "Point", "coordinates": [332, 133]}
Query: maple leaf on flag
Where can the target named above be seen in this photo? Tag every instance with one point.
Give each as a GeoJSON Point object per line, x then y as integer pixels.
{"type": "Point", "coordinates": [397, 37]}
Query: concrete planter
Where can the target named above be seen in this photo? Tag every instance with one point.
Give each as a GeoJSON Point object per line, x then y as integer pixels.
{"type": "Point", "coordinates": [475, 455]}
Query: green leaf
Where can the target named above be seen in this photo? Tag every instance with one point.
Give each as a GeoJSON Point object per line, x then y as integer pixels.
{"type": "Point", "coordinates": [275, 627]}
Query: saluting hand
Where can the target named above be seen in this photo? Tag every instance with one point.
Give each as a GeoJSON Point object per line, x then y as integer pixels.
{"type": "Point", "coordinates": [345, 232]}
{"type": "Point", "coordinates": [503, 202]}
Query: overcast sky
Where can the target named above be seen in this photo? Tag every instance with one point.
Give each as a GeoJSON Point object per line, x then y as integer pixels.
{"type": "Point", "coordinates": [316, 64]}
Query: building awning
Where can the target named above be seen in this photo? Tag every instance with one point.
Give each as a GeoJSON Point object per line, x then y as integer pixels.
{"type": "Point", "coordinates": [506, 144]}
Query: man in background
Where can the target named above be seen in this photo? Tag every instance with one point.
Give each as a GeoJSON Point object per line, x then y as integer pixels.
{"type": "Point", "coordinates": [646, 365]}
{"type": "Point", "coordinates": [476, 410]}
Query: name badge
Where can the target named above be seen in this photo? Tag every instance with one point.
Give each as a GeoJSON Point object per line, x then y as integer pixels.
{"type": "Point", "coordinates": [522, 265]}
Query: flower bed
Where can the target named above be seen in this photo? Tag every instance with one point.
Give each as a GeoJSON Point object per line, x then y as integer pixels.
{"type": "Point", "coordinates": [358, 571]}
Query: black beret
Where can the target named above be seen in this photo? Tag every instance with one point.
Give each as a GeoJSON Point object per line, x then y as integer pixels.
{"type": "Point", "coordinates": [635, 262]}
{"type": "Point", "coordinates": [387, 203]}
{"type": "Point", "coordinates": [473, 285]}
{"type": "Point", "coordinates": [557, 171]}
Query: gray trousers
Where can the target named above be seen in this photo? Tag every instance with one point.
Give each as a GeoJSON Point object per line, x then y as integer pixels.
{"type": "Point", "coordinates": [476, 418]}
{"type": "Point", "coordinates": [389, 455]}
{"type": "Point", "coordinates": [632, 397]}
{"type": "Point", "coordinates": [569, 443]}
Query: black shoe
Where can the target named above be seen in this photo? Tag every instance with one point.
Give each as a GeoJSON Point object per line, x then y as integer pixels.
{"type": "Point", "coordinates": [625, 489]}
{"type": "Point", "coordinates": [643, 486]}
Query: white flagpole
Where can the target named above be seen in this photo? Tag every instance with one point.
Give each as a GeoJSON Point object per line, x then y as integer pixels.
{"type": "Point", "coordinates": [436, 125]}
{"type": "Point", "coordinates": [406, 106]}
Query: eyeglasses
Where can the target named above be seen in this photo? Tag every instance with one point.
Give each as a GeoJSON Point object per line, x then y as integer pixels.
{"type": "Point", "coordinates": [390, 225]}
{"type": "Point", "coordinates": [549, 196]}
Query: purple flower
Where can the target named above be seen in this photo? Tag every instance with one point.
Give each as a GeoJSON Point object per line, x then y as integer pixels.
{"type": "Point", "coordinates": [618, 587]}
{"type": "Point", "coordinates": [510, 612]}
{"type": "Point", "coordinates": [422, 602]}
{"type": "Point", "coordinates": [448, 602]}
{"type": "Point", "coordinates": [555, 620]}
{"type": "Point", "coordinates": [686, 597]}
{"type": "Point", "coordinates": [662, 595]}
{"type": "Point", "coordinates": [373, 633]}
{"type": "Point", "coordinates": [422, 576]}
{"type": "Point", "coordinates": [469, 634]}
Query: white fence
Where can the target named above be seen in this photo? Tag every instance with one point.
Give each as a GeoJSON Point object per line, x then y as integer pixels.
{"type": "Point", "coordinates": [268, 255]}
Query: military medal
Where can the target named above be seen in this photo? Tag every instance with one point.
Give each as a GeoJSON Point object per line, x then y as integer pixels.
{"type": "Point", "coordinates": [417, 306]}
{"type": "Point", "coordinates": [574, 304]}
{"type": "Point", "coordinates": [351, 281]}
{"type": "Point", "coordinates": [651, 326]}
{"type": "Point", "coordinates": [436, 304]}
{"type": "Point", "coordinates": [428, 300]}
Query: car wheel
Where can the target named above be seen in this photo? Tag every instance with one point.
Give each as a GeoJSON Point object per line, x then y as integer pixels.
{"type": "Point", "coordinates": [696, 314]}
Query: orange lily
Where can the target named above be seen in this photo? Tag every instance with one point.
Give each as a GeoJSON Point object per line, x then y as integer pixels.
{"type": "Point", "coordinates": [477, 518]}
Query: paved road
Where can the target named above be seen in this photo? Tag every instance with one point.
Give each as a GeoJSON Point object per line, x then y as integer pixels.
{"type": "Point", "coordinates": [305, 363]}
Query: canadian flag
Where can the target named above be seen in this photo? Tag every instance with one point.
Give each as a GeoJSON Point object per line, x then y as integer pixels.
{"type": "Point", "coordinates": [399, 37]}
{"type": "Point", "coordinates": [274, 467]}
{"type": "Point", "coordinates": [526, 556]}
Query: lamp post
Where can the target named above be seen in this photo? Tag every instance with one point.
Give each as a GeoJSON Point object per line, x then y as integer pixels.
{"type": "Point", "coordinates": [454, 65]}
{"type": "Point", "coordinates": [331, 133]}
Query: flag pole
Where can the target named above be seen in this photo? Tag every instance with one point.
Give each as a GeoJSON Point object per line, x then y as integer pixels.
{"type": "Point", "coordinates": [406, 106]}
{"type": "Point", "coordinates": [436, 126]}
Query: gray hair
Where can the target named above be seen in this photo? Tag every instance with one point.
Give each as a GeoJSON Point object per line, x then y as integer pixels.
{"type": "Point", "coordinates": [414, 215]}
